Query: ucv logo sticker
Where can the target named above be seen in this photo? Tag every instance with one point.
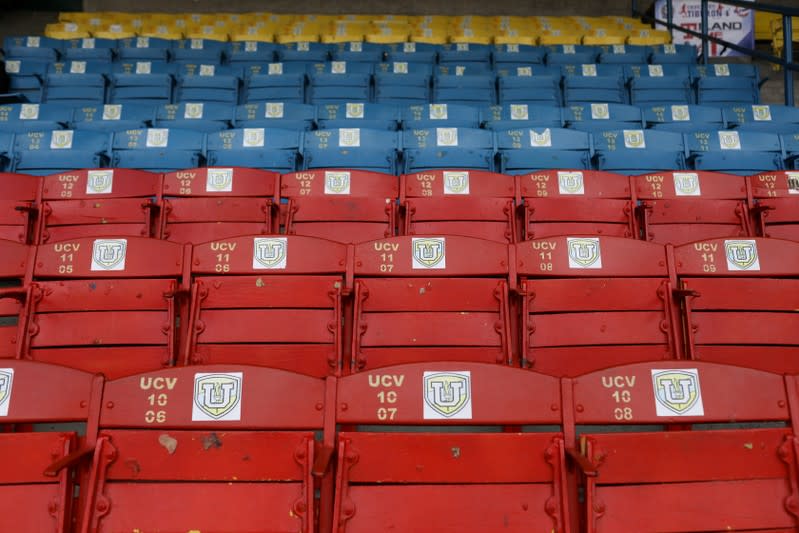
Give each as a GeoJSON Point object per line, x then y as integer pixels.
{"type": "Point", "coordinates": [677, 392]}
{"type": "Point", "coordinates": [584, 252]}
{"type": "Point", "coordinates": [447, 395]}
{"type": "Point", "coordinates": [109, 254]}
{"type": "Point", "coordinates": [217, 397]}
{"type": "Point", "coordinates": [741, 255]}
{"type": "Point", "coordinates": [6, 381]}
{"type": "Point", "coordinates": [429, 252]}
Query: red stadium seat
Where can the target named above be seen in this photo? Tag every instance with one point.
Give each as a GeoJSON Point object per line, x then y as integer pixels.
{"type": "Point", "coordinates": [271, 301]}
{"type": "Point", "coordinates": [201, 204]}
{"type": "Point", "coordinates": [14, 265]}
{"type": "Point", "coordinates": [741, 297]}
{"type": "Point", "coordinates": [209, 448]}
{"type": "Point", "coordinates": [438, 478]}
{"type": "Point", "coordinates": [593, 302]}
{"type": "Point", "coordinates": [776, 204]}
{"type": "Point", "coordinates": [105, 305]}
{"type": "Point", "coordinates": [735, 476]}
{"type": "Point", "coordinates": [430, 298]}
{"type": "Point", "coordinates": [341, 205]}
{"type": "Point", "coordinates": [19, 194]}
{"type": "Point", "coordinates": [680, 207]}
{"type": "Point", "coordinates": [33, 397]}
{"type": "Point", "coordinates": [473, 203]}
{"type": "Point", "coordinates": [99, 203]}
{"type": "Point", "coordinates": [576, 202]}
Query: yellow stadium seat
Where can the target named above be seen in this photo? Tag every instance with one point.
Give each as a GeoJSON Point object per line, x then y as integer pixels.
{"type": "Point", "coordinates": [559, 37]}
{"type": "Point", "coordinates": [649, 38]}
{"type": "Point", "coordinates": [66, 30]}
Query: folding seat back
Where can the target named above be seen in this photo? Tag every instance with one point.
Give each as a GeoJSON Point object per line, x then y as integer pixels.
{"type": "Point", "coordinates": [245, 438]}
{"type": "Point", "coordinates": [577, 202]}
{"type": "Point", "coordinates": [19, 195]}
{"type": "Point", "coordinates": [735, 152]}
{"type": "Point", "coordinates": [250, 52]}
{"type": "Point", "coordinates": [510, 116]}
{"type": "Point", "coordinates": [727, 462]}
{"type": "Point", "coordinates": [358, 52]}
{"type": "Point", "coordinates": [621, 54]}
{"type": "Point", "coordinates": [660, 84]}
{"type": "Point", "coordinates": [527, 150]}
{"type": "Point", "coordinates": [516, 54]}
{"type": "Point", "coordinates": [26, 77]}
{"type": "Point", "coordinates": [303, 52]}
{"type": "Point", "coordinates": [21, 118]}
{"type": "Point", "coordinates": [99, 202]}
{"type": "Point", "coordinates": [32, 47]}
{"type": "Point", "coordinates": [358, 115]}
{"type": "Point", "coordinates": [280, 115]}
{"type": "Point", "coordinates": [90, 49]}
{"type": "Point", "coordinates": [740, 301]}
{"type": "Point", "coordinates": [13, 294]}
{"type": "Point", "coordinates": [413, 52]}
{"type": "Point", "coordinates": [600, 116]}
{"type": "Point", "coordinates": [683, 118]}
{"type": "Point", "coordinates": [144, 49]}
{"type": "Point", "coordinates": [673, 53]}
{"type": "Point", "coordinates": [207, 51]}
{"type": "Point", "coordinates": [351, 148]}
{"type": "Point", "coordinates": [340, 205]}
{"type": "Point", "coordinates": [250, 293]}
{"type": "Point", "coordinates": [203, 203]}
{"type": "Point", "coordinates": [530, 84]}
{"type": "Point", "coordinates": [142, 82]}
{"type": "Point", "coordinates": [766, 118]}
{"type": "Point", "coordinates": [468, 84]}
{"type": "Point", "coordinates": [465, 54]}
{"type": "Point", "coordinates": [158, 149]}
{"type": "Point", "coordinates": [636, 151]}
{"type": "Point", "coordinates": [48, 152]}
{"type": "Point", "coordinates": [76, 83]}
{"type": "Point", "coordinates": [32, 497]}
{"type": "Point", "coordinates": [570, 54]}
{"type": "Point", "coordinates": [267, 149]}
{"type": "Point", "coordinates": [680, 207]}
{"type": "Point", "coordinates": [591, 82]}
{"type": "Point", "coordinates": [425, 298]}
{"type": "Point", "coordinates": [465, 478]}
{"type": "Point", "coordinates": [400, 82]}
{"type": "Point", "coordinates": [275, 82]}
{"type": "Point", "coordinates": [105, 305]}
{"type": "Point", "coordinates": [443, 115]}
{"type": "Point", "coordinates": [337, 82]}
{"type": "Point", "coordinates": [113, 117]}
{"type": "Point", "coordinates": [203, 82]}
{"type": "Point", "coordinates": [594, 302]}
{"type": "Point", "coordinates": [206, 116]}
{"type": "Point", "coordinates": [472, 203]}
{"type": "Point", "coordinates": [775, 205]}
{"type": "Point", "coordinates": [727, 84]}
{"type": "Point", "coordinates": [451, 148]}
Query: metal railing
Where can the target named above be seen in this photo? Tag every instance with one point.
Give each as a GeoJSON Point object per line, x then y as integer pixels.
{"type": "Point", "coordinates": [786, 61]}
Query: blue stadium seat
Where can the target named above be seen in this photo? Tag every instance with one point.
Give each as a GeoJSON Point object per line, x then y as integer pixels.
{"type": "Point", "coordinates": [570, 54]}
{"type": "Point", "coordinates": [683, 118]}
{"type": "Point", "coordinates": [510, 116]}
{"type": "Point", "coordinates": [26, 77]}
{"type": "Point", "coordinates": [517, 54]}
{"type": "Point", "coordinates": [337, 82]}
{"type": "Point", "coordinates": [76, 83]}
{"type": "Point", "coordinates": [267, 149]}
{"type": "Point", "coordinates": [660, 84]}
{"type": "Point", "coordinates": [673, 53]}
{"type": "Point", "coordinates": [90, 49]}
{"type": "Point", "coordinates": [527, 150]}
{"type": "Point", "coordinates": [600, 116]}
{"type": "Point", "coordinates": [6, 151]}
{"type": "Point", "coordinates": [592, 82]}
{"type": "Point", "coordinates": [444, 115]}
{"type": "Point", "coordinates": [200, 116]}
{"type": "Point", "coordinates": [791, 148]}
{"type": "Point", "coordinates": [205, 51]}
{"type": "Point", "coordinates": [113, 117]}
{"type": "Point", "coordinates": [49, 152]}
{"type": "Point", "coordinates": [353, 148]}
{"type": "Point", "coordinates": [32, 47]}
{"type": "Point", "coordinates": [304, 53]}
{"type": "Point", "coordinates": [358, 115]}
{"type": "Point", "coordinates": [143, 49]}
{"type": "Point", "coordinates": [624, 54]}
{"type": "Point", "coordinates": [724, 84]}
{"type": "Point", "coordinates": [525, 84]}
{"type": "Point", "coordinates": [207, 83]}
{"type": "Point", "coordinates": [767, 118]}
{"type": "Point", "coordinates": [19, 118]}
{"type": "Point", "coordinates": [288, 116]}
{"type": "Point", "coordinates": [633, 152]}
{"type": "Point", "coordinates": [412, 53]}
{"type": "Point", "coordinates": [245, 53]}
{"type": "Point", "coordinates": [277, 82]}
{"type": "Point", "coordinates": [447, 147]}
{"type": "Point", "coordinates": [157, 149]}
{"type": "Point", "coordinates": [358, 52]}
{"type": "Point", "coordinates": [400, 82]}
{"type": "Point", "coordinates": [735, 152]}
{"type": "Point", "coordinates": [469, 84]}
{"type": "Point", "coordinates": [469, 54]}
{"type": "Point", "coordinates": [141, 82]}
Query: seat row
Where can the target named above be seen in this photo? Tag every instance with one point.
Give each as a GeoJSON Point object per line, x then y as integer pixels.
{"type": "Point", "coordinates": [349, 206]}
{"type": "Point", "coordinates": [514, 151]}
{"type": "Point", "coordinates": [264, 445]}
{"type": "Point", "coordinates": [82, 82]}
{"type": "Point", "coordinates": [561, 305]}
